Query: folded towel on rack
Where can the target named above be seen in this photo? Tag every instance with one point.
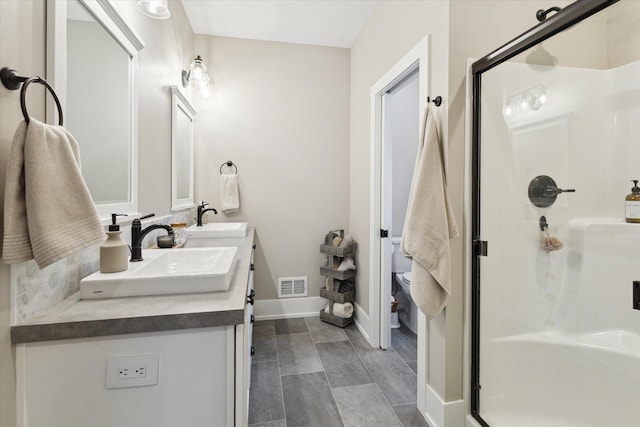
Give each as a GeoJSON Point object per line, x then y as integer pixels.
{"type": "Point", "coordinates": [347, 264]}
{"type": "Point", "coordinates": [229, 194]}
{"type": "Point", "coordinates": [48, 210]}
{"type": "Point", "coordinates": [341, 310]}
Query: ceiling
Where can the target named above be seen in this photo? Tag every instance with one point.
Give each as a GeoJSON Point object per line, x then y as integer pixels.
{"type": "Point", "coordinates": [335, 23]}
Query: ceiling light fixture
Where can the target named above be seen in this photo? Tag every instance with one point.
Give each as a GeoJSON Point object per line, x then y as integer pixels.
{"type": "Point", "coordinates": [156, 9]}
{"type": "Point", "coordinates": [197, 76]}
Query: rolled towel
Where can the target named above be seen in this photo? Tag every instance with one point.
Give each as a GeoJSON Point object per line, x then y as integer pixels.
{"type": "Point", "coordinates": [347, 242]}
{"type": "Point", "coordinates": [347, 264]}
{"type": "Point", "coordinates": [336, 241]}
{"type": "Point", "coordinates": [341, 310]}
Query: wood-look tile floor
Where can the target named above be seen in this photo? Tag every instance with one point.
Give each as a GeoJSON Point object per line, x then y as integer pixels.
{"type": "Point", "coordinates": [306, 372]}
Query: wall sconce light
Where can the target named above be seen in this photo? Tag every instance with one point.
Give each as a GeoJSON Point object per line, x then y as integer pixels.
{"type": "Point", "coordinates": [197, 77]}
{"type": "Point", "coordinates": [157, 9]}
{"type": "Point", "coordinates": [529, 100]}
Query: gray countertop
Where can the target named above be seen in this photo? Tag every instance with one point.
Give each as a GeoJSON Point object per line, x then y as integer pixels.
{"type": "Point", "coordinates": [76, 318]}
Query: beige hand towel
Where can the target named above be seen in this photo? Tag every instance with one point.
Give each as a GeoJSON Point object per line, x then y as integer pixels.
{"type": "Point", "coordinates": [429, 224]}
{"type": "Point", "coordinates": [229, 194]}
{"type": "Point", "coordinates": [48, 211]}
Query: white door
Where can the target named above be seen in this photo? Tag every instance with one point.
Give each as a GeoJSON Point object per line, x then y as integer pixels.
{"type": "Point", "coordinates": [386, 199]}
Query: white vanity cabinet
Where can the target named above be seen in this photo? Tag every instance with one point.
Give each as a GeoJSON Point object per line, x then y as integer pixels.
{"type": "Point", "coordinates": [175, 360]}
{"type": "Point", "coordinates": [64, 383]}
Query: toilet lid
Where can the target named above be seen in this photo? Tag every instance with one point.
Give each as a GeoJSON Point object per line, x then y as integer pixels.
{"type": "Point", "coordinates": [406, 277]}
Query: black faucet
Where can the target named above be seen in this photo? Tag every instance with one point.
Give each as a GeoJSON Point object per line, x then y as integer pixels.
{"type": "Point", "coordinates": [137, 235]}
{"type": "Point", "coordinates": [201, 211]}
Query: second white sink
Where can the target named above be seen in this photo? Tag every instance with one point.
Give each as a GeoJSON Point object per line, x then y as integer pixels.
{"type": "Point", "coordinates": [166, 271]}
{"type": "Point", "coordinates": [215, 230]}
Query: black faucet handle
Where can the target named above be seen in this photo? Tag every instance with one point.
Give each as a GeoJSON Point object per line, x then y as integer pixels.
{"type": "Point", "coordinates": [147, 216]}
{"type": "Point", "coordinates": [203, 204]}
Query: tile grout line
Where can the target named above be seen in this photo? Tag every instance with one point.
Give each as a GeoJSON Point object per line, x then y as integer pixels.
{"type": "Point", "coordinates": [374, 379]}
{"type": "Point", "coordinates": [324, 371]}
{"type": "Point", "coordinates": [284, 407]}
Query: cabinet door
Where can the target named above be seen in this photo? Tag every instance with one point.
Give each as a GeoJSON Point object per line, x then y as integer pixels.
{"type": "Point", "coordinates": [63, 382]}
{"type": "Point", "coordinates": [244, 351]}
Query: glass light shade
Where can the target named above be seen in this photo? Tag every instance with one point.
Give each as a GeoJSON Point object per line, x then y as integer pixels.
{"type": "Point", "coordinates": [156, 9]}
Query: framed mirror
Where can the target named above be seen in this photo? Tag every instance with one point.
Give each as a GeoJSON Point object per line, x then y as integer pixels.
{"type": "Point", "coordinates": [182, 122]}
{"type": "Point", "coordinates": [92, 62]}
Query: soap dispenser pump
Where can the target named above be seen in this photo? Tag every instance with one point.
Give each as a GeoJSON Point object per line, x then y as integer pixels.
{"type": "Point", "coordinates": [114, 252]}
{"type": "Point", "coordinates": [632, 204]}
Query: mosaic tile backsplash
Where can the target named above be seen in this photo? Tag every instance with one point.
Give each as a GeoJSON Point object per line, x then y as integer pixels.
{"type": "Point", "coordinates": [36, 290]}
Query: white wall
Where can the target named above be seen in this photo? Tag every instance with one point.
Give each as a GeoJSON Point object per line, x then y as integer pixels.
{"type": "Point", "coordinates": [280, 112]}
{"type": "Point", "coordinates": [26, 54]}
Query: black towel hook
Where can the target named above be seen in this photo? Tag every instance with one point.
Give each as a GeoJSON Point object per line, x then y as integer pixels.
{"type": "Point", "coordinates": [12, 81]}
{"type": "Point", "coordinates": [437, 100]}
{"type": "Point", "coordinates": [228, 163]}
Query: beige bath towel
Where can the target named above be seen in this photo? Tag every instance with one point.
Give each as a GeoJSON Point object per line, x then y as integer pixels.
{"type": "Point", "coordinates": [429, 224]}
{"type": "Point", "coordinates": [229, 194]}
{"type": "Point", "coordinates": [48, 211]}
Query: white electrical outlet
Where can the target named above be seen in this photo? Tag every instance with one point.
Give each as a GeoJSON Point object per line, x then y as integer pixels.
{"type": "Point", "coordinates": [132, 371]}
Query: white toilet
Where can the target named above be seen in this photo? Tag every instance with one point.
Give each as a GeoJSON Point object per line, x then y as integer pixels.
{"type": "Point", "coordinates": [401, 267]}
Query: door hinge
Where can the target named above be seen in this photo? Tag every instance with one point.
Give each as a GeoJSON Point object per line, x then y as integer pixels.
{"type": "Point", "coordinates": [636, 295]}
{"type": "Point", "coordinates": [480, 247]}
{"type": "Point", "coordinates": [384, 233]}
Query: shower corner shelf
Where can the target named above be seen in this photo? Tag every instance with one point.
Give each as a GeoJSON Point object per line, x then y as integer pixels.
{"type": "Point", "coordinates": [332, 274]}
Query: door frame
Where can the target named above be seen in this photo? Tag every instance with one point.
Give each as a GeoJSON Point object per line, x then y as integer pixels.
{"type": "Point", "coordinates": [416, 58]}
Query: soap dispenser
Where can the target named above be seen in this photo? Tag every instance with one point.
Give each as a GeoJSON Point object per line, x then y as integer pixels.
{"type": "Point", "coordinates": [632, 203]}
{"type": "Point", "coordinates": [114, 252]}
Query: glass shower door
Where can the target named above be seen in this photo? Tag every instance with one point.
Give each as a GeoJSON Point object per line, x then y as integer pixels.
{"type": "Point", "coordinates": [558, 342]}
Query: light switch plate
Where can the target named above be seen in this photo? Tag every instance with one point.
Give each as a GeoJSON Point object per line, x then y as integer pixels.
{"type": "Point", "coordinates": [132, 371]}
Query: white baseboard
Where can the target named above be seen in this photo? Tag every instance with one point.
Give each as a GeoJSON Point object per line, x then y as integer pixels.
{"type": "Point", "coordinates": [283, 308]}
{"type": "Point", "coordinates": [362, 321]}
{"type": "Point", "coordinates": [444, 414]}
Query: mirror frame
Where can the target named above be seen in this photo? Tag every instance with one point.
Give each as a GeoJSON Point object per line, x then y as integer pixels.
{"type": "Point", "coordinates": [104, 12]}
{"type": "Point", "coordinates": [181, 105]}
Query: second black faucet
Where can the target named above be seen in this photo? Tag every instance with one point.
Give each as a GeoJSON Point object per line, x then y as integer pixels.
{"type": "Point", "coordinates": [201, 211]}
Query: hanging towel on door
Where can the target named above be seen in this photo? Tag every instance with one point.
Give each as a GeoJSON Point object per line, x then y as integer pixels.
{"type": "Point", "coordinates": [229, 194]}
{"type": "Point", "coordinates": [429, 224]}
{"type": "Point", "coordinates": [48, 211]}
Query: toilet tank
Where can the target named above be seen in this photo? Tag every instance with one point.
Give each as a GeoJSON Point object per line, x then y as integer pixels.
{"type": "Point", "coordinates": [399, 263]}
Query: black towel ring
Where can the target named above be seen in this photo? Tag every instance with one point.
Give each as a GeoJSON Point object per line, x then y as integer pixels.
{"type": "Point", "coordinates": [228, 163]}
{"type": "Point", "coordinates": [11, 80]}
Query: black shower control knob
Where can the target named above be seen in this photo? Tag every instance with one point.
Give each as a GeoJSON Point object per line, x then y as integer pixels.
{"type": "Point", "coordinates": [543, 191]}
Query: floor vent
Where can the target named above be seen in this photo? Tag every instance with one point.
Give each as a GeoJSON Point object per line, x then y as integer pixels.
{"type": "Point", "coordinates": [292, 287]}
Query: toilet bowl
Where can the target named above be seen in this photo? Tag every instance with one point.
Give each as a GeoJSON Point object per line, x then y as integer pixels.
{"type": "Point", "coordinates": [407, 309]}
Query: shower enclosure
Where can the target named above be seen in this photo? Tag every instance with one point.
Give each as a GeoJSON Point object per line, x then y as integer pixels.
{"type": "Point", "coordinates": [556, 268]}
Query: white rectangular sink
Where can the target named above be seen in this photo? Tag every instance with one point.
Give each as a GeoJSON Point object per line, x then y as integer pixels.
{"type": "Point", "coordinates": [215, 230]}
{"type": "Point", "coordinates": [166, 271]}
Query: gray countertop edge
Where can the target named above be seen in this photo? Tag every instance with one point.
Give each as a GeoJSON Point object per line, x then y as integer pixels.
{"type": "Point", "coordinates": [74, 318]}
{"type": "Point", "coordinates": [101, 328]}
